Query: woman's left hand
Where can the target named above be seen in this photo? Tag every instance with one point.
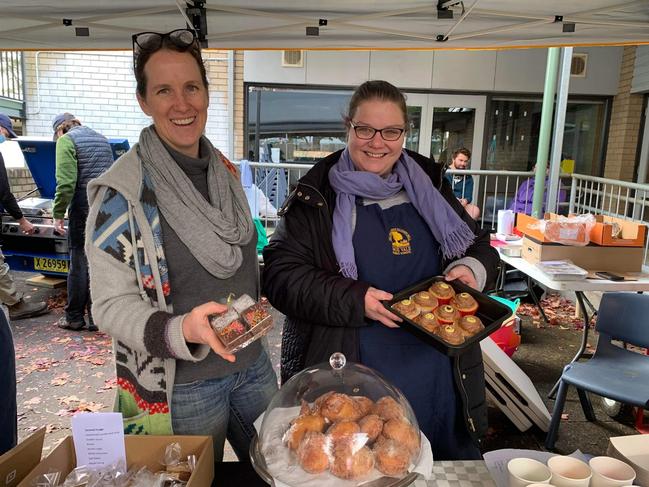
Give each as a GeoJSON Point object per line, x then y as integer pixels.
{"type": "Point", "coordinates": [464, 275]}
{"type": "Point", "coordinates": [196, 328]}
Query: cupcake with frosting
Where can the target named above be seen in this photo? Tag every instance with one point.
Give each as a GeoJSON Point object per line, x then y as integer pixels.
{"type": "Point", "coordinates": [427, 321]}
{"type": "Point", "coordinates": [446, 314]}
{"type": "Point", "coordinates": [407, 307]}
{"type": "Point", "coordinates": [450, 334]}
{"type": "Point", "coordinates": [425, 300]}
{"type": "Point", "coordinates": [465, 304]}
{"type": "Point", "coordinates": [470, 325]}
{"type": "Point", "coordinates": [442, 291]}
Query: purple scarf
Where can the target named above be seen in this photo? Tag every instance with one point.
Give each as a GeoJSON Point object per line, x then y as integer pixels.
{"type": "Point", "coordinates": [453, 234]}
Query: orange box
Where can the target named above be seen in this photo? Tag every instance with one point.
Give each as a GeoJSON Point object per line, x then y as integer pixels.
{"type": "Point", "coordinates": [577, 231]}
{"type": "Point", "coordinates": [632, 235]}
{"type": "Point", "coordinates": [523, 224]}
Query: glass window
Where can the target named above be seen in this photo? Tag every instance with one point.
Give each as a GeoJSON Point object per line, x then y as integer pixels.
{"type": "Point", "coordinates": [452, 129]}
{"type": "Point", "coordinates": [295, 125]}
{"type": "Point", "coordinates": [413, 134]}
{"type": "Point", "coordinates": [514, 133]}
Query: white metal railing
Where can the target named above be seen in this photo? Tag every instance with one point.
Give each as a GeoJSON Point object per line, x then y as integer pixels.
{"type": "Point", "coordinates": [492, 191]}
{"type": "Point", "coordinates": [497, 190]}
{"type": "Point", "coordinates": [272, 185]}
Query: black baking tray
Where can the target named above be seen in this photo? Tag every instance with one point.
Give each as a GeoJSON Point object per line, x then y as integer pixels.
{"type": "Point", "coordinates": [491, 312]}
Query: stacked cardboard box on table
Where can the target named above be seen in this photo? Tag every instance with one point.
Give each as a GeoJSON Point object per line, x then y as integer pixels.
{"type": "Point", "coordinates": [141, 451]}
{"type": "Point", "coordinates": [605, 252]}
{"type": "Point", "coordinates": [17, 463]}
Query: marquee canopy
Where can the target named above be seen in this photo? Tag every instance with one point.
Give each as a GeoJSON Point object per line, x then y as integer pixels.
{"type": "Point", "coordinates": [327, 24]}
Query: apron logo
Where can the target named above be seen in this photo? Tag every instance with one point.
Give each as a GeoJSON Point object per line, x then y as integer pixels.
{"type": "Point", "coordinates": [400, 240]}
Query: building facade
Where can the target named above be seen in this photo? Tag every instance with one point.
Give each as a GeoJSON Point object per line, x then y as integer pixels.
{"type": "Point", "coordinates": [288, 106]}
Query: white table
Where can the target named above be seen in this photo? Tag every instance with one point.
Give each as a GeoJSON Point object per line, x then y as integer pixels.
{"type": "Point", "coordinates": [602, 285]}
{"type": "Point", "coordinates": [578, 287]}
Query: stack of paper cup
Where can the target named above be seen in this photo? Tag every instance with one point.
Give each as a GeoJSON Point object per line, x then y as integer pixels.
{"type": "Point", "coordinates": [569, 472]}
{"type": "Point", "coordinates": [525, 471]}
{"type": "Point", "coordinates": [505, 223]}
{"type": "Point", "coordinates": [610, 472]}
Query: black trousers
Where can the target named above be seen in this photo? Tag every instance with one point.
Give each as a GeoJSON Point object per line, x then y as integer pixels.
{"type": "Point", "coordinates": [8, 418]}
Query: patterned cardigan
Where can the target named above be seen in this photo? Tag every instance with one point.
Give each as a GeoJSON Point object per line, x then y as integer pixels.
{"type": "Point", "coordinates": [132, 298]}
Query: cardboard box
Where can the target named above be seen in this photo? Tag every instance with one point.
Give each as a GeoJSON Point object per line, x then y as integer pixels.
{"type": "Point", "coordinates": [634, 450]}
{"type": "Point", "coordinates": [18, 462]}
{"type": "Point", "coordinates": [525, 222]}
{"type": "Point", "coordinates": [590, 257]}
{"type": "Point", "coordinates": [141, 450]}
{"type": "Point", "coordinates": [633, 234]}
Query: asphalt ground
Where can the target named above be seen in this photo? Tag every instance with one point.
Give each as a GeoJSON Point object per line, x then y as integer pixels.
{"type": "Point", "coordinates": [61, 372]}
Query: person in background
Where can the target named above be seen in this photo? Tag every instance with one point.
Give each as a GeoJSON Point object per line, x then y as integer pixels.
{"type": "Point", "coordinates": [19, 307]}
{"type": "Point", "coordinates": [362, 224]}
{"type": "Point", "coordinates": [82, 154]}
{"type": "Point", "coordinates": [462, 184]}
{"type": "Point", "coordinates": [524, 198]}
{"type": "Point", "coordinates": [177, 200]}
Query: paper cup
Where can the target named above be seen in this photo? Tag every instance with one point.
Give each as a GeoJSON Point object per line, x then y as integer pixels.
{"type": "Point", "coordinates": [610, 472]}
{"type": "Point", "coordinates": [525, 471]}
{"type": "Point", "coordinates": [540, 485]}
{"type": "Point", "coordinates": [569, 472]}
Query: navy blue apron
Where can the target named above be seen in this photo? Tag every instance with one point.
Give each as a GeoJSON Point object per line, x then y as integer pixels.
{"type": "Point", "coordinates": [394, 249]}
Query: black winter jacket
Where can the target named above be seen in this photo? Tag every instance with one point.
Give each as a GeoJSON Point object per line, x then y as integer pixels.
{"type": "Point", "coordinates": [324, 309]}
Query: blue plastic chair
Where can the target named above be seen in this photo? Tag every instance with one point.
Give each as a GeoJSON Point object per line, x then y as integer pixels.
{"type": "Point", "coordinates": [613, 371]}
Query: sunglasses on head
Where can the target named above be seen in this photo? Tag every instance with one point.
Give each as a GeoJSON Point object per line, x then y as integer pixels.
{"type": "Point", "coordinates": [152, 41]}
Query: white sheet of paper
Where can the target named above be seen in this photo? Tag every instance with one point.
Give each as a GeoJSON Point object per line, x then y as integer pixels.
{"type": "Point", "coordinates": [98, 439]}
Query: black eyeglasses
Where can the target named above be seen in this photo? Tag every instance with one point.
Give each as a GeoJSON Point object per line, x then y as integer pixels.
{"type": "Point", "coordinates": [152, 41]}
{"type": "Point", "coordinates": [366, 133]}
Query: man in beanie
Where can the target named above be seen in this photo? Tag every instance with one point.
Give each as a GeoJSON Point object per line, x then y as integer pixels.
{"type": "Point", "coordinates": [81, 155]}
{"type": "Point", "coordinates": [18, 307]}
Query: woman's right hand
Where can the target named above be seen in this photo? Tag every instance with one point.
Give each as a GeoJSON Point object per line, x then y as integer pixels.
{"type": "Point", "coordinates": [375, 310]}
{"type": "Point", "coordinates": [197, 329]}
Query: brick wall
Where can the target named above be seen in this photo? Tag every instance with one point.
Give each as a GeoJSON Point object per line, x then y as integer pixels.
{"type": "Point", "coordinates": [624, 129]}
{"type": "Point", "coordinates": [239, 96]}
{"type": "Point", "coordinates": [21, 181]}
{"type": "Point", "coordinates": [99, 88]}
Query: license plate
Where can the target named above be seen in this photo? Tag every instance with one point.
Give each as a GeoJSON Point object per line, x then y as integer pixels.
{"type": "Point", "coordinates": [52, 265]}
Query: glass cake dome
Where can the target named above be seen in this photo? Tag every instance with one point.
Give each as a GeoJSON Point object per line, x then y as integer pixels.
{"type": "Point", "coordinates": [337, 423]}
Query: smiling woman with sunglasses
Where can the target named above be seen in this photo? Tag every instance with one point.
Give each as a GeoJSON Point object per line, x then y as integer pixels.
{"type": "Point", "coordinates": [170, 236]}
{"type": "Point", "coordinates": [362, 224]}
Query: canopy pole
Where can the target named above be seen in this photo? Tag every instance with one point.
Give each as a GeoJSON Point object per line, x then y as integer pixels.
{"type": "Point", "coordinates": [559, 125]}
{"type": "Point", "coordinates": [545, 131]}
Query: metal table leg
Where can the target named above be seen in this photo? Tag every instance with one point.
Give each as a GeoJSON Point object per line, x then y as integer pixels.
{"type": "Point", "coordinates": [584, 337]}
{"type": "Point", "coordinates": [536, 300]}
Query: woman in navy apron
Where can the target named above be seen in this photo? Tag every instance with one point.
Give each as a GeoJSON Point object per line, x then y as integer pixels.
{"type": "Point", "coordinates": [390, 227]}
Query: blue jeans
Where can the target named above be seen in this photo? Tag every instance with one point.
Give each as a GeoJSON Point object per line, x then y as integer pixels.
{"type": "Point", "coordinates": [225, 407]}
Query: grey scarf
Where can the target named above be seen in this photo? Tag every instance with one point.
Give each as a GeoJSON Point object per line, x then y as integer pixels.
{"type": "Point", "coordinates": [214, 232]}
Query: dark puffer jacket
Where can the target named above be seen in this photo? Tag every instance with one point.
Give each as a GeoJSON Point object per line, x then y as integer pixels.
{"type": "Point", "coordinates": [324, 309]}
